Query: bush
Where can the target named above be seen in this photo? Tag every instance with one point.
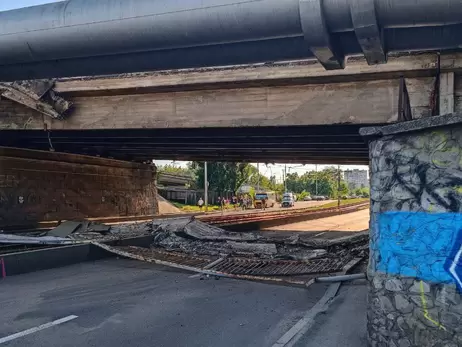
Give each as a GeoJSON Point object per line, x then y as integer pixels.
{"type": "Point", "coordinates": [303, 195]}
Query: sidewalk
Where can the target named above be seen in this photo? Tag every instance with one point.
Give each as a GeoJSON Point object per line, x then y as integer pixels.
{"type": "Point", "coordinates": [343, 324]}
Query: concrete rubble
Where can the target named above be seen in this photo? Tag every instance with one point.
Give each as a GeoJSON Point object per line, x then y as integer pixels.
{"type": "Point", "coordinates": [194, 237]}
{"type": "Point", "coordinates": [72, 232]}
{"type": "Point", "coordinates": [184, 241]}
{"type": "Point", "coordinates": [32, 240]}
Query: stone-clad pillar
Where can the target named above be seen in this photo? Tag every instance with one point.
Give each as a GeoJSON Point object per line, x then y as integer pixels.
{"type": "Point", "coordinates": [415, 266]}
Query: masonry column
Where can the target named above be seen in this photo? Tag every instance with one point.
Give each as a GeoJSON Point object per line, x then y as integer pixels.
{"type": "Point", "coordinates": [415, 266]}
{"type": "Point", "coordinates": [37, 186]}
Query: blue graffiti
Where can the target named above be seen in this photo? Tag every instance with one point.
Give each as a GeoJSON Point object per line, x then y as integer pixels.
{"type": "Point", "coordinates": [422, 245]}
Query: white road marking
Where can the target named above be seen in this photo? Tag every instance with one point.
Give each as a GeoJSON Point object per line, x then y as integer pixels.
{"type": "Point", "coordinates": [36, 329]}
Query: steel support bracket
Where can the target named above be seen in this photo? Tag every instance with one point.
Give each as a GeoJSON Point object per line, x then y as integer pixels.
{"type": "Point", "coordinates": [318, 37]}
{"type": "Point", "coordinates": [38, 96]}
{"type": "Point", "coordinates": [367, 31]}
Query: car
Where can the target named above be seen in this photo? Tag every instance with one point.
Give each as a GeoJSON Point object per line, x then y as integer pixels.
{"type": "Point", "coordinates": [307, 198]}
{"type": "Point", "coordinates": [287, 202]}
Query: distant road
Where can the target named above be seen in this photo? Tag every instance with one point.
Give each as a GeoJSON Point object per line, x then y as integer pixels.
{"type": "Point", "coordinates": [277, 207]}
{"type": "Point", "coordinates": [351, 222]}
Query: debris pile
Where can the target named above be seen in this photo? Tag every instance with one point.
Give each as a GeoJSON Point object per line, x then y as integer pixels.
{"type": "Point", "coordinates": [72, 232]}
{"type": "Point", "coordinates": [191, 236]}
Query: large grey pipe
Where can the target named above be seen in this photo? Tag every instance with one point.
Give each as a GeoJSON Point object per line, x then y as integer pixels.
{"type": "Point", "coordinates": [79, 37]}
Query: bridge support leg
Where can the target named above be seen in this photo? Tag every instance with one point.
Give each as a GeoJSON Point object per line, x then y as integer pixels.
{"type": "Point", "coordinates": [38, 186]}
{"type": "Point", "coordinates": [415, 265]}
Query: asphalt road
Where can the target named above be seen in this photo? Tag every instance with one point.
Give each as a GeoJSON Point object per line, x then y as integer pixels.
{"type": "Point", "coordinates": [122, 302]}
{"type": "Point", "coordinates": [344, 323]}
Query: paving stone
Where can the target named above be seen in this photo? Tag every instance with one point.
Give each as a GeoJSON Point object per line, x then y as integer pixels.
{"type": "Point", "coordinates": [417, 300]}
{"type": "Point", "coordinates": [377, 282]}
{"type": "Point", "coordinates": [402, 325]}
{"type": "Point", "coordinates": [457, 309]}
{"type": "Point", "coordinates": [415, 288]}
{"type": "Point", "coordinates": [402, 304]}
{"type": "Point", "coordinates": [450, 320]}
{"type": "Point", "coordinates": [448, 295]}
{"type": "Point", "coordinates": [385, 304]}
{"type": "Point", "coordinates": [394, 285]}
{"type": "Point", "coordinates": [404, 343]}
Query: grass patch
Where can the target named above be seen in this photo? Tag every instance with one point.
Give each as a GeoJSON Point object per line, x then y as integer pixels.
{"type": "Point", "coordinates": [194, 208]}
{"type": "Point", "coordinates": [342, 203]}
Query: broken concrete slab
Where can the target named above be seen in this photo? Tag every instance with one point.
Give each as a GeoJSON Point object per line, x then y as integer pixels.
{"type": "Point", "coordinates": [28, 240]}
{"type": "Point", "coordinates": [98, 228]}
{"type": "Point", "coordinates": [65, 229]}
{"type": "Point", "coordinates": [172, 225]}
{"type": "Point", "coordinates": [202, 231]}
{"type": "Point", "coordinates": [255, 248]}
{"type": "Point", "coordinates": [189, 227]}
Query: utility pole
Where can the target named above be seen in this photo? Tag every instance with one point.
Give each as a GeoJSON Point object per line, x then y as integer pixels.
{"type": "Point", "coordinates": [285, 178]}
{"type": "Point", "coordinates": [258, 177]}
{"type": "Point", "coordinates": [338, 187]}
{"type": "Point", "coordinates": [206, 188]}
{"type": "Point", "coordinates": [316, 179]}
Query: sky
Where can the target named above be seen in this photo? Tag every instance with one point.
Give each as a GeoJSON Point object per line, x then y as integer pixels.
{"type": "Point", "coordinates": [12, 4]}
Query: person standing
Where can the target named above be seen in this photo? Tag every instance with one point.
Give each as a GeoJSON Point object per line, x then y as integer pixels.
{"type": "Point", "coordinates": [200, 203]}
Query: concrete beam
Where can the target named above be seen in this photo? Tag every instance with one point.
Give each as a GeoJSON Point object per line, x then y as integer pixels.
{"type": "Point", "coordinates": [355, 102]}
{"type": "Point", "coordinates": [36, 95]}
{"type": "Point", "coordinates": [254, 75]}
{"type": "Point", "coordinates": [367, 102]}
{"type": "Point", "coordinates": [447, 104]}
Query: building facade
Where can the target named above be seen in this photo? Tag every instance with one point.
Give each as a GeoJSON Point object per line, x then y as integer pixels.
{"type": "Point", "coordinates": [356, 178]}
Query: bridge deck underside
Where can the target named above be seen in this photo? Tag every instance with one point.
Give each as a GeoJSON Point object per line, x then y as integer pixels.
{"type": "Point", "coordinates": [336, 144]}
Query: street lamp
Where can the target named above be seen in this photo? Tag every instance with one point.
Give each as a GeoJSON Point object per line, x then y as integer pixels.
{"type": "Point", "coordinates": [206, 188]}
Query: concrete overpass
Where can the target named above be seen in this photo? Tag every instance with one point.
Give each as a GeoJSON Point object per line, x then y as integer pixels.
{"type": "Point", "coordinates": [295, 111]}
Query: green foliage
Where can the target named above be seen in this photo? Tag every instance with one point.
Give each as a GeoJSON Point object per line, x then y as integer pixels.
{"type": "Point", "coordinates": [342, 203]}
{"type": "Point", "coordinates": [326, 182]}
{"type": "Point", "coordinates": [227, 178]}
{"type": "Point", "coordinates": [303, 195]}
{"type": "Point", "coordinates": [224, 178]}
{"type": "Point", "coordinates": [173, 169]}
{"type": "Point", "coordinates": [193, 208]}
{"type": "Point", "coordinates": [363, 192]}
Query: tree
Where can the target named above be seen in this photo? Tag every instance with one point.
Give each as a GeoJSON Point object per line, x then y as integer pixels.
{"type": "Point", "coordinates": [303, 195]}
{"type": "Point", "coordinates": [225, 178]}
{"type": "Point", "coordinates": [323, 182]}
{"type": "Point", "coordinates": [364, 192]}
{"type": "Point", "coordinates": [178, 170]}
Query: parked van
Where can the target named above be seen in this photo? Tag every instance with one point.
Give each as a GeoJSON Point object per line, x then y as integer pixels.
{"type": "Point", "coordinates": [269, 197]}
